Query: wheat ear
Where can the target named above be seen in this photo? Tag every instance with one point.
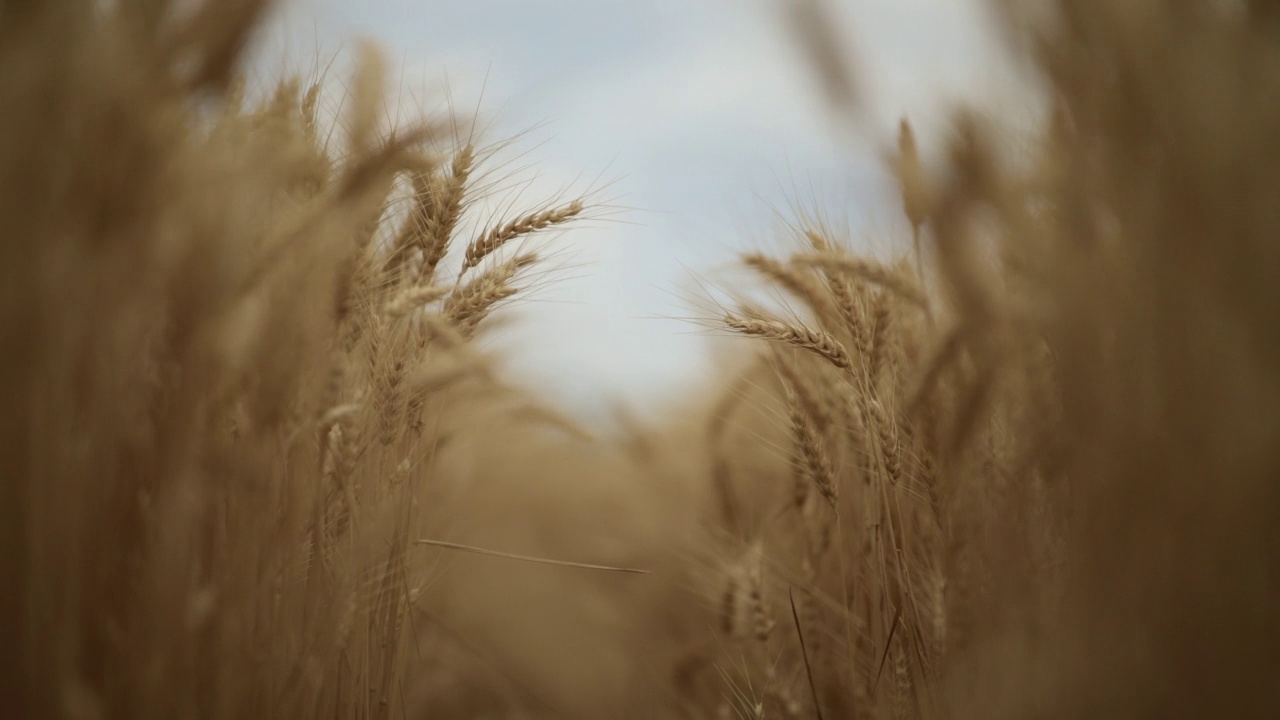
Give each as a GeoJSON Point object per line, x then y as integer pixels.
{"type": "Point", "coordinates": [810, 339]}
{"type": "Point", "coordinates": [488, 243]}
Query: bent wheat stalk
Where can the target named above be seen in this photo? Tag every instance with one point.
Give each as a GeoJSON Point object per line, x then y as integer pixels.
{"type": "Point", "coordinates": [527, 558]}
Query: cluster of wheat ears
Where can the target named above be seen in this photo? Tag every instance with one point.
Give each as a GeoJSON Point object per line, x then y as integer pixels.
{"type": "Point", "coordinates": [252, 460]}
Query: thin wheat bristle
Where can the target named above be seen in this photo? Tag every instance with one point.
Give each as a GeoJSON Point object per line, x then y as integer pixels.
{"type": "Point", "coordinates": [867, 270]}
{"type": "Point", "coordinates": [414, 298]}
{"type": "Point", "coordinates": [803, 285]}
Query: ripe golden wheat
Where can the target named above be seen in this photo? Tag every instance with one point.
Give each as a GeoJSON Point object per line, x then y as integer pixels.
{"type": "Point", "coordinates": [254, 464]}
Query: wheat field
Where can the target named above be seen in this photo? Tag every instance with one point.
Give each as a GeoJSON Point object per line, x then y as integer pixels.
{"type": "Point", "coordinates": [254, 463]}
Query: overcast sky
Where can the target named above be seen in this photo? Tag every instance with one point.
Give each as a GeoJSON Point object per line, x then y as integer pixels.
{"type": "Point", "coordinates": [700, 116]}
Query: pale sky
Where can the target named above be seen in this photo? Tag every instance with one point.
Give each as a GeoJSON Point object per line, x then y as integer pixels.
{"type": "Point", "coordinates": [702, 119]}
